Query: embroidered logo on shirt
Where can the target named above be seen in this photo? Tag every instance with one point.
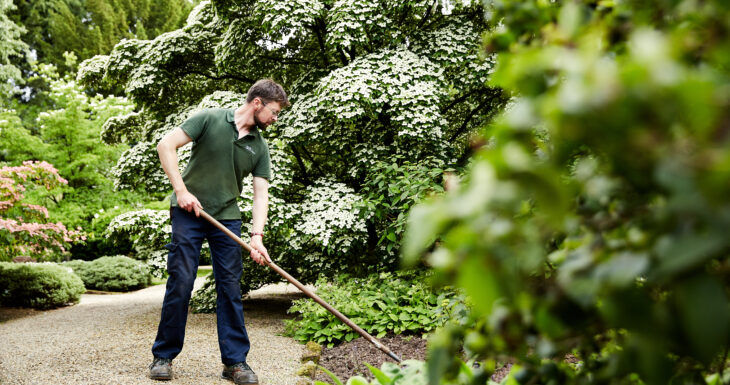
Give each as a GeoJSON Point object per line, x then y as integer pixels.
{"type": "Point", "coordinates": [250, 149]}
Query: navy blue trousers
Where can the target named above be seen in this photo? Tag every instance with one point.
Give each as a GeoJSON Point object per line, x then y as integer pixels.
{"type": "Point", "coordinates": [188, 233]}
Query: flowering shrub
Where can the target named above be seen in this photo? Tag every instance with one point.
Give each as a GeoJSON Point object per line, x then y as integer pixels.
{"type": "Point", "coordinates": [149, 231]}
{"type": "Point", "coordinates": [369, 83]}
{"type": "Point", "coordinates": [28, 234]}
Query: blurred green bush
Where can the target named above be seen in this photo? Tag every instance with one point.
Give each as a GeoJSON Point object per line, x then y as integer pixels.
{"type": "Point", "coordinates": [38, 285]}
{"type": "Point", "coordinates": [595, 222]}
{"type": "Point", "coordinates": [112, 273]}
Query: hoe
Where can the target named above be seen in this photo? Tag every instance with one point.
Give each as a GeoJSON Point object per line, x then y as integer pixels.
{"type": "Point", "coordinates": [306, 291]}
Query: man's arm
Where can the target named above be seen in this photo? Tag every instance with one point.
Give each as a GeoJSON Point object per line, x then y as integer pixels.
{"type": "Point", "coordinates": [167, 150]}
{"type": "Point", "coordinates": [260, 211]}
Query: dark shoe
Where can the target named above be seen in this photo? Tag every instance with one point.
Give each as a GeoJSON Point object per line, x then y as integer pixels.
{"type": "Point", "coordinates": [240, 374]}
{"type": "Point", "coordinates": [161, 369]}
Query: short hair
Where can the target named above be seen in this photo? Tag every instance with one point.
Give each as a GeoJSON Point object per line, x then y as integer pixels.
{"type": "Point", "coordinates": [269, 91]}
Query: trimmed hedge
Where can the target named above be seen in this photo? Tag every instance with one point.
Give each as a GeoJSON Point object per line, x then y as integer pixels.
{"type": "Point", "coordinates": [117, 273]}
{"type": "Point", "coordinates": [41, 286]}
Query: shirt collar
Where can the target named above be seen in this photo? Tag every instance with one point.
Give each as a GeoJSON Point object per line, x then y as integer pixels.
{"type": "Point", "coordinates": [230, 118]}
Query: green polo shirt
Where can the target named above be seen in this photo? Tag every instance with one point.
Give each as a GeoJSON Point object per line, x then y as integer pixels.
{"type": "Point", "coordinates": [219, 161]}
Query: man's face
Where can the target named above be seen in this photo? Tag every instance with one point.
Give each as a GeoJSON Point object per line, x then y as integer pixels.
{"type": "Point", "coordinates": [266, 114]}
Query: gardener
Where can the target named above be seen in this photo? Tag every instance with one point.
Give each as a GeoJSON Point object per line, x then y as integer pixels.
{"type": "Point", "coordinates": [227, 146]}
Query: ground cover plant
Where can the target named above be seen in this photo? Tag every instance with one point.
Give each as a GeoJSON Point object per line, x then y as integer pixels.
{"type": "Point", "coordinates": [38, 285]}
{"type": "Point", "coordinates": [383, 303]}
{"type": "Point", "coordinates": [112, 273]}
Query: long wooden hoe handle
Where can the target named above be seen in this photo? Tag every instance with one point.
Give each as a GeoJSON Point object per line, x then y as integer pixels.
{"type": "Point", "coordinates": [306, 291]}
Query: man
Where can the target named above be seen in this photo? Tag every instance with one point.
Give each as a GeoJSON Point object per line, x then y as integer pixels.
{"type": "Point", "coordinates": [227, 146]}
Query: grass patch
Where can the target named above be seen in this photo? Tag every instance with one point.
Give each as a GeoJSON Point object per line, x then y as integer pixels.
{"type": "Point", "coordinates": [201, 273]}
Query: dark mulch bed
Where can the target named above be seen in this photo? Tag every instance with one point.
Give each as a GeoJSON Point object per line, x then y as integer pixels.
{"type": "Point", "coordinates": [347, 359]}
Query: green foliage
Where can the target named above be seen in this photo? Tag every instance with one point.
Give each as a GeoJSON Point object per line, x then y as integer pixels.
{"type": "Point", "coordinates": [391, 190]}
{"type": "Point", "coordinates": [92, 27]}
{"type": "Point", "coordinates": [12, 50]}
{"type": "Point", "coordinates": [41, 286]}
{"type": "Point", "coordinates": [68, 134]}
{"type": "Point", "coordinates": [595, 222]}
{"type": "Point", "coordinates": [112, 273]}
{"type": "Point", "coordinates": [400, 302]}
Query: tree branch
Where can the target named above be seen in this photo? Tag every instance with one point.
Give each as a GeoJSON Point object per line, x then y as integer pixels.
{"type": "Point", "coordinates": [320, 29]}
{"type": "Point", "coordinates": [300, 162]}
{"type": "Point", "coordinates": [461, 129]}
{"type": "Point", "coordinates": [461, 99]}
{"type": "Point", "coordinates": [312, 161]}
{"type": "Point", "coordinates": [426, 16]}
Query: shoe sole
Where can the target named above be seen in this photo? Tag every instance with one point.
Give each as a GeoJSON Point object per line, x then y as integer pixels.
{"type": "Point", "coordinates": [223, 376]}
{"type": "Point", "coordinates": [161, 378]}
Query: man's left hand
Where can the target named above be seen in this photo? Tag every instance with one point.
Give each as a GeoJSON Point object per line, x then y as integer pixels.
{"type": "Point", "coordinates": [258, 251]}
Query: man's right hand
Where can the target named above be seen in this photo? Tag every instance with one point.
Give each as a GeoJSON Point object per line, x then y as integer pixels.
{"type": "Point", "coordinates": [188, 202]}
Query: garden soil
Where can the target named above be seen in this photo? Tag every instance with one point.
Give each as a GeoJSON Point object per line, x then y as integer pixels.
{"type": "Point", "coordinates": [347, 359]}
{"type": "Point", "coordinates": [106, 339]}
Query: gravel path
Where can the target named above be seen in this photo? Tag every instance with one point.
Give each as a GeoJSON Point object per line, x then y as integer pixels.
{"type": "Point", "coordinates": [106, 339]}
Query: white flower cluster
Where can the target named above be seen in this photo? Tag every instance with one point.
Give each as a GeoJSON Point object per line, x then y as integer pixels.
{"type": "Point", "coordinates": [93, 69]}
{"type": "Point", "coordinates": [456, 48]}
{"type": "Point", "coordinates": [121, 128]}
{"type": "Point", "coordinates": [143, 79]}
{"type": "Point", "coordinates": [222, 99]}
{"type": "Point", "coordinates": [347, 106]}
{"type": "Point", "coordinates": [203, 13]}
{"type": "Point", "coordinates": [123, 58]}
{"type": "Point", "coordinates": [157, 261]}
{"type": "Point", "coordinates": [149, 231]}
{"type": "Point", "coordinates": [282, 18]}
{"type": "Point", "coordinates": [152, 222]}
{"type": "Point", "coordinates": [140, 163]}
{"type": "Point", "coordinates": [329, 216]}
{"type": "Point", "coordinates": [352, 22]}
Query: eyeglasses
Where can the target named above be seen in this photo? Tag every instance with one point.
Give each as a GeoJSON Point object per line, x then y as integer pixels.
{"type": "Point", "coordinates": [273, 113]}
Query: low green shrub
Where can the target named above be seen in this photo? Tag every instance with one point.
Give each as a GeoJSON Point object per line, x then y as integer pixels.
{"type": "Point", "coordinates": [36, 285]}
{"type": "Point", "coordinates": [117, 273]}
{"type": "Point", "coordinates": [401, 302]}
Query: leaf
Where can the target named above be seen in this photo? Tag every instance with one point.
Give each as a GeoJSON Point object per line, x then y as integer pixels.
{"type": "Point", "coordinates": [332, 375]}
{"type": "Point", "coordinates": [480, 283]}
{"type": "Point", "coordinates": [704, 315]}
{"type": "Point", "coordinates": [425, 221]}
{"type": "Point", "coordinates": [379, 375]}
{"type": "Point", "coordinates": [357, 380]}
{"type": "Point", "coordinates": [677, 255]}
